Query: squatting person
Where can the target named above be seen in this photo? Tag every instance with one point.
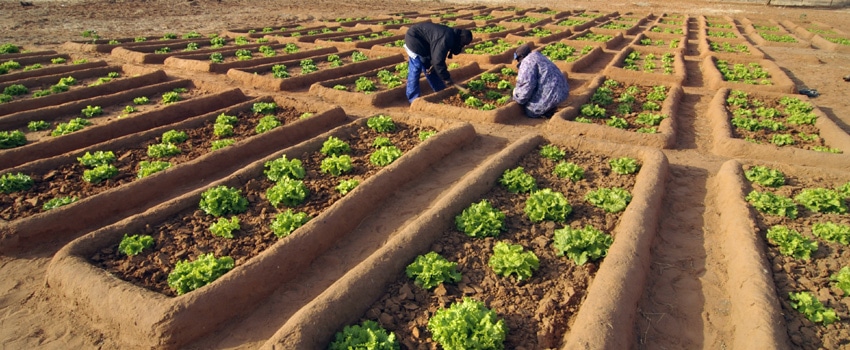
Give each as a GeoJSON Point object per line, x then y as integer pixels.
{"type": "Point", "coordinates": [540, 85]}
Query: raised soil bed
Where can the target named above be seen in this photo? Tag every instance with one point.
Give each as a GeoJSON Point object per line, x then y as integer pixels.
{"type": "Point", "coordinates": [24, 233]}
{"type": "Point", "coordinates": [202, 62]}
{"type": "Point", "coordinates": [726, 144]}
{"type": "Point", "coordinates": [641, 69]}
{"type": "Point", "coordinates": [604, 318]}
{"type": "Point", "coordinates": [262, 77]}
{"type": "Point", "coordinates": [154, 319]}
{"type": "Point", "coordinates": [779, 81]}
{"type": "Point", "coordinates": [665, 137]}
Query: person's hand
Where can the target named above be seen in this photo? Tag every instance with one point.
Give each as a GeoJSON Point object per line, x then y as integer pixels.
{"type": "Point", "coordinates": [449, 83]}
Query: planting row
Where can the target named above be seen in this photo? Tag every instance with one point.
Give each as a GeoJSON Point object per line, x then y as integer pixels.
{"type": "Point", "coordinates": [799, 225]}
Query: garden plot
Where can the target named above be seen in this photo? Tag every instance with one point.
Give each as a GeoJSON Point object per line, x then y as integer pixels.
{"type": "Point", "coordinates": [669, 41]}
{"type": "Point", "coordinates": [821, 35]}
{"type": "Point", "coordinates": [772, 34]}
{"type": "Point", "coordinates": [157, 317]}
{"type": "Point", "coordinates": [719, 28]}
{"type": "Point", "coordinates": [381, 87]}
{"type": "Point", "coordinates": [776, 127]}
{"type": "Point", "coordinates": [55, 89]}
{"type": "Point", "coordinates": [571, 56]}
{"type": "Point", "coordinates": [493, 31]}
{"type": "Point", "coordinates": [200, 146]}
{"type": "Point", "coordinates": [493, 51]}
{"type": "Point", "coordinates": [260, 32]}
{"type": "Point", "coordinates": [570, 311]}
{"type": "Point", "coordinates": [222, 60]}
{"type": "Point", "coordinates": [789, 251]}
{"type": "Point", "coordinates": [592, 35]}
{"type": "Point", "coordinates": [52, 130]}
{"type": "Point", "coordinates": [668, 29]}
{"type": "Point", "coordinates": [616, 25]}
{"type": "Point", "coordinates": [574, 23]}
{"type": "Point", "coordinates": [648, 64]}
{"type": "Point", "coordinates": [363, 41]}
{"type": "Point", "coordinates": [38, 65]}
{"type": "Point", "coordinates": [622, 110]}
{"type": "Point", "coordinates": [745, 74]}
{"type": "Point", "coordinates": [300, 74]}
{"type": "Point", "coordinates": [157, 52]}
{"type": "Point", "coordinates": [728, 49]}
{"type": "Point", "coordinates": [673, 19]}
{"type": "Point", "coordinates": [540, 35]}
{"type": "Point", "coordinates": [392, 24]}
{"type": "Point", "coordinates": [312, 35]}
{"type": "Point", "coordinates": [96, 44]}
{"type": "Point", "coordinates": [487, 99]}
{"type": "Point", "coordinates": [528, 21]}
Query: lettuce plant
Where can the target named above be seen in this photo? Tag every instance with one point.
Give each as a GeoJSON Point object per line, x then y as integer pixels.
{"type": "Point", "coordinates": [613, 200]}
{"type": "Point", "coordinates": [335, 146]}
{"type": "Point", "coordinates": [337, 165]}
{"type": "Point", "coordinates": [12, 139]}
{"type": "Point", "coordinates": [267, 123]}
{"type": "Point", "coordinates": [147, 168]}
{"type": "Point", "coordinates": [552, 152]}
{"type": "Point", "coordinates": [288, 191]}
{"type": "Point", "coordinates": [481, 220]}
{"type": "Point", "coordinates": [143, 100]}
{"type": "Point", "coordinates": [100, 173]}
{"type": "Point", "coordinates": [547, 204]}
{"type": "Point", "coordinates": [424, 135]}
{"type": "Point", "coordinates": [163, 150]}
{"type": "Point", "coordinates": [280, 168]}
{"type": "Point", "coordinates": [381, 141]}
{"type": "Point", "coordinates": [468, 325]}
{"type": "Point", "coordinates": [346, 186]}
{"type": "Point", "coordinates": [624, 165]}
{"type": "Point", "coordinates": [568, 170]}
{"type": "Point", "coordinates": [223, 200]}
{"type": "Point", "coordinates": [822, 200]}
{"type": "Point", "coordinates": [791, 242]}
{"type": "Point", "coordinates": [73, 125]}
{"type": "Point", "coordinates": [773, 204]}
{"type": "Point", "coordinates": [582, 245]}
{"type": "Point", "coordinates": [91, 160]}
{"type": "Point", "coordinates": [190, 275]}
{"type": "Point", "coordinates": [518, 181]}
{"type": "Point", "coordinates": [765, 176]}
{"type": "Point", "coordinates": [58, 202]}
{"type": "Point", "coordinates": [841, 280]}
{"type": "Point", "coordinates": [90, 111]}
{"type": "Point", "coordinates": [385, 156]}
{"type": "Point", "coordinates": [832, 232]}
{"type": "Point", "coordinates": [38, 125]}
{"type": "Point", "coordinates": [224, 227]}
{"type": "Point", "coordinates": [509, 259]}
{"type": "Point", "coordinates": [10, 183]}
{"type": "Point", "coordinates": [133, 245]}
{"type": "Point", "coordinates": [368, 335]}
{"type": "Point", "coordinates": [807, 304]}
{"type": "Point", "coordinates": [432, 269]}
{"type": "Point", "coordinates": [288, 221]}
{"type": "Point", "coordinates": [381, 123]}
{"type": "Point", "coordinates": [219, 144]}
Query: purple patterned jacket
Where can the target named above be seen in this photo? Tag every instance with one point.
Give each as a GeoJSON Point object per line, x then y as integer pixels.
{"type": "Point", "coordinates": [540, 86]}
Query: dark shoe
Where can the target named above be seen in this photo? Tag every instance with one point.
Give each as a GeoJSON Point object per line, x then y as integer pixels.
{"type": "Point", "coordinates": [847, 77]}
{"type": "Point", "coordinates": [809, 92]}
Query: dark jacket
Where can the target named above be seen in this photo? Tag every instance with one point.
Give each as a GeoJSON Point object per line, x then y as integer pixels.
{"type": "Point", "coordinates": [434, 42]}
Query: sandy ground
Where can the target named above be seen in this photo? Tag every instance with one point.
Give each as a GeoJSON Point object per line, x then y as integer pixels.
{"type": "Point", "coordinates": [685, 304]}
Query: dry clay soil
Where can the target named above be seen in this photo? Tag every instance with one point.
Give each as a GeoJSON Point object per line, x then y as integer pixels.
{"type": "Point", "coordinates": [685, 304]}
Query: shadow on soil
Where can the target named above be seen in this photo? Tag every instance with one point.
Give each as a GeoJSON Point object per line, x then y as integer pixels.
{"type": "Point", "coordinates": [674, 287]}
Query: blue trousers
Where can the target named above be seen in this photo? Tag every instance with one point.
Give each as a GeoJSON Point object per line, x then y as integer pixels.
{"type": "Point", "coordinates": [414, 69]}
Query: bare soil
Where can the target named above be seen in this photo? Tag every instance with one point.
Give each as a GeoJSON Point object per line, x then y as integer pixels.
{"type": "Point", "coordinates": [685, 303]}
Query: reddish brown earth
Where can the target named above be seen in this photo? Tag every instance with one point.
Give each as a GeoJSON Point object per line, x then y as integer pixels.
{"type": "Point", "coordinates": [685, 304]}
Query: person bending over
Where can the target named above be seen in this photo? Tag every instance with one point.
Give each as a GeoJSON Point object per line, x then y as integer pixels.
{"type": "Point", "coordinates": [427, 45]}
{"type": "Point", "coordinates": [540, 85]}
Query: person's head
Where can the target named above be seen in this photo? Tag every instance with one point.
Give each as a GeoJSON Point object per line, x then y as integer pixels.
{"type": "Point", "coordinates": [521, 52]}
{"type": "Point", "coordinates": [465, 37]}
